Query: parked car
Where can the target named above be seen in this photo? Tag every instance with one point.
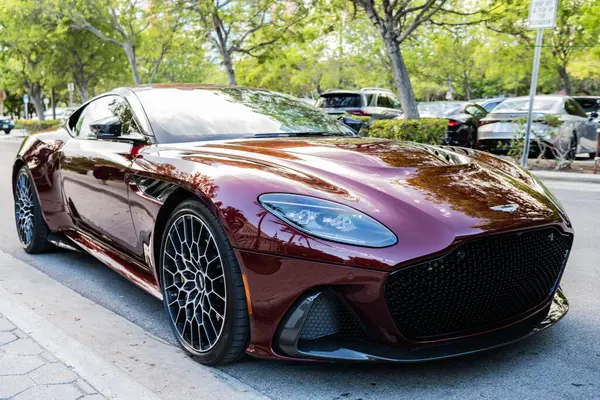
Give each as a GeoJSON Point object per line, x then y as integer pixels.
{"type": "Point", "coordinates": [576, 134]}
{"type": "Point", "coordinates": [370, 102]}
{"type": "Point", "coordinates": [266, 227]}
{"type": "Point", "coordinates": [463, 118]}
{"type": "Point", "coordinates": [6, 124]}
{"type": "Point", "coordinates": [489, 104]}
{"type": "Point", "coordinates": [60, 113]}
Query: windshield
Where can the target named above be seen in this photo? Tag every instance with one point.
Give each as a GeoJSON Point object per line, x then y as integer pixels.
{"type": "Point", "coordinates": [186, 115]}
{"type": "Point", "coordinates": [523, 105]}
{"type": "Point", "coordinates": [440, 108]}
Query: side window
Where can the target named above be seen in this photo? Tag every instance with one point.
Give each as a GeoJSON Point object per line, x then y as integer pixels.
{"type": "Point", "coordinates": [105, 107]}
{"type": "Point", "coordinates": [573, 108]}
{"type": "Point", "coordinates": [395, 103]}
{"type": "Point", "coordinates": [369, 97]}
{"type": "Point", "coordinates": [384, 101]}
{"type": "Point", "coordinates": [476, 111]}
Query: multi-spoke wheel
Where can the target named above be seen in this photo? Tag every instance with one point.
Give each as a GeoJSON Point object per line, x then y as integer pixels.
{"type": "Point", "coordinates": [202, 286]}
{"type": "Point", "coordinates": [31, 227]}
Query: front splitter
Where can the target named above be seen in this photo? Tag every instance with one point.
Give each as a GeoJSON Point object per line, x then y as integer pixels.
{"type": "Point", "coordinates": [360, 351]}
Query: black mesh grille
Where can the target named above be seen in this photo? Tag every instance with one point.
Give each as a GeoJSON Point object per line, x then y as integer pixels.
{"type": "Point", "coordinates": [479, 284]}
{"type": "Point", "coordinates": [328, 316]}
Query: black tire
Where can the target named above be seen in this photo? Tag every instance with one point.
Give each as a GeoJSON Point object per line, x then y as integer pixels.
{"type": "Point", "coordinates": [592, 155]}
{"type": "Point", "coordinates": [37, 241]}
{"type": "Point", "coordinates": [184, 274]}
{"type": "Point", "coordinates": [7, 131]}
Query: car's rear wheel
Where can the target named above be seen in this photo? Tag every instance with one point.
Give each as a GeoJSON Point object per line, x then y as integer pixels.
{"type": "Point", "coordinates": [32, 229]}
{"type": "Point", "coordinates": [7, 131]}
{"type": "Point", "coordinates": [202, 286]}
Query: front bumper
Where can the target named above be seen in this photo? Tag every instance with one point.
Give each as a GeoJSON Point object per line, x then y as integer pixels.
{"type": "Point", "coordinates": [343, 350]}
{"type": "Point", "coordinates": [283, 290]}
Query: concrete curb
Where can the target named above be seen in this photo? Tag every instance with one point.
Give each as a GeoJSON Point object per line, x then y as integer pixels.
{"type": "Point", "coordinates": [118, 358]}
{"type": "Point", "coordinates": [567, 176]}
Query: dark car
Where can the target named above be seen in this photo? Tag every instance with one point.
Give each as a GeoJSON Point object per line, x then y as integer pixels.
{"type": "Point", "coordinates": [266, 227]}
{"type": "Point", "coordinates": [463, 119]}
{"type": "Point", "coordinates": [6, 124]}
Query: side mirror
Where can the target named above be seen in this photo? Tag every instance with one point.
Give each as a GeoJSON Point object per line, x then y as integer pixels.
{"type": "Point", "coordinates": [593, 115]}
{"type": "Point", "coordinates": [352, 123]}
{"type": "Point", "coordinates": [106, 128]}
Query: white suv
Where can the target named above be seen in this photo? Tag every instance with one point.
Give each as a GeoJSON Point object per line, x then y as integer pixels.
{"type": "Point", "coordinates": [370, 102]}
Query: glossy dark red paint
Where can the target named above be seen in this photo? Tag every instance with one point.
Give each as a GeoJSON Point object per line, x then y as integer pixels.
{"type": "Point", "coordinates": [432, 199]}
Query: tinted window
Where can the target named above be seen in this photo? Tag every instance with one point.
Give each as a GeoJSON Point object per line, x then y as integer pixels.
{"type": "Point", "coordinates": [573, 108]}
{"type": "Point", "coordinates": [104, 107]}
{"type": "Point", "coordinates": [185, 115]}
{"type": "Point", "coordinates": [340, 100]}
{"type": "Point", "coordinates": [476, 111]}
{"type": "Point", "coordinates": [384, 101]}
{"type": "Point", "coordinates": [589, 105]}
{"type": "Point", "coordinates": [369, 98]}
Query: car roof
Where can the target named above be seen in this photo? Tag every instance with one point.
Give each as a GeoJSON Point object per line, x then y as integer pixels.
{"type": "Point", "coordinates": [186, 86]}
{"type": "Point", "coordinates": [539, 96]}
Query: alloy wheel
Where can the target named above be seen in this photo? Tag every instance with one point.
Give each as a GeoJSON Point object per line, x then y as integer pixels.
{"type": "Point", "coordinates": [194, 283]}
{"type": "Point", "coordinates": [24, 208]}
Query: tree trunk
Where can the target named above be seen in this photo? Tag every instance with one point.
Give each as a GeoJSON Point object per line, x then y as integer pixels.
{"type": "Point", "coordinates": [566, 82]}
{"type": "Point", "coordinates": [130, 51]}
{"type": "Point", "coordinates": [35, 94]}
{"type": "Point", "coordinates": [467, 85]}
{"type": "Point", "coordinates": [228, 67]}
{"type": "Point", "coordinates": [83, 92]}
{"type": "Point", "coordinates": [405, 91]}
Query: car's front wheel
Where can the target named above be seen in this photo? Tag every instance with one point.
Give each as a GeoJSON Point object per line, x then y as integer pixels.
{"type": "Point", "coordinates": [202, 286]}
{"type": "Point", "coordinates": [32, 229]}
{"type": "Point", "coordinates": [7, 131]}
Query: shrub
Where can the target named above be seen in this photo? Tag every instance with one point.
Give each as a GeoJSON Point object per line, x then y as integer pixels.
{"type": "Point", "coordinates": [425, 130]}
{"type": "Point", "coordinates": [35, 126]}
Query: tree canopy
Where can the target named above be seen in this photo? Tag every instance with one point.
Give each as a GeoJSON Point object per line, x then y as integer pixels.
{"type": "Point", "coordinates": [421, 49]}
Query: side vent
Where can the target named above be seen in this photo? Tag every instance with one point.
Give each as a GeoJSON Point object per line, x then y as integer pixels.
{"type": "Point", "coordinates": [154, 188]}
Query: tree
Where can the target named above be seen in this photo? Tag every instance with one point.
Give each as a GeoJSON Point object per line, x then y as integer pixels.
{"type": "Point", "coordinates": [128, 24]}
{"type": "Point", "coordinates": [248, 28]}
{"type": "Point", "coordinates": [576, 31]}
{"type": "Point", "coordinates": [396, 21]}
{"type": "Point", "coordinates": [84, 57]}
{"type": "Point", "coordinates": [24, 27]}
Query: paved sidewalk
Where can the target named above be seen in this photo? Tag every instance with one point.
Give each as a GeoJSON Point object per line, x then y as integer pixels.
{"type": "Point", "coordinates": [28, 371]}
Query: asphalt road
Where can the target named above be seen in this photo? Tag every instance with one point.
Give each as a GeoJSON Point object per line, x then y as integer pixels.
{"type": "Point", "coordinates": [563, 362]}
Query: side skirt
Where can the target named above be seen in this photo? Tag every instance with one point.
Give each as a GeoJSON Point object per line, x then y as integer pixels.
{"type": "Point", "coordinates": [124, 265]}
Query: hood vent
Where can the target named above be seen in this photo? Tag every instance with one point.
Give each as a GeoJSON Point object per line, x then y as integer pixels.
{"type": "Point", "coordinates": [450, 155]}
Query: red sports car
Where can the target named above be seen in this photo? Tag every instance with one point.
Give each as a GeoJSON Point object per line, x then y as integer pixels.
{"type": "Point", "coordinates": [268, 228]}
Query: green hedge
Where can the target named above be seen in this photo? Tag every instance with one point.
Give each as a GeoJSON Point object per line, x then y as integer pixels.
{"type": "Point", "coordinates": [426, 130]}
{"type": "Point", "coordinates": [35, 126]}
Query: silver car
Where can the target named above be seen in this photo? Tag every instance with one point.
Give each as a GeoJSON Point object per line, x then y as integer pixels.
{"type": "Point", "coordinates": [576, 134]}
{"type": "Point", "coordinates": [369, 102]}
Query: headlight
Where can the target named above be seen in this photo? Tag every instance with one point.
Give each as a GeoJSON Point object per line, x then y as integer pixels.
{"type": "Point", "coordinates": [328, 220]}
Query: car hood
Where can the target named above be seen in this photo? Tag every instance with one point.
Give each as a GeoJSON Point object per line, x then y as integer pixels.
{"type": "Point", "coordinates": [428, 196]}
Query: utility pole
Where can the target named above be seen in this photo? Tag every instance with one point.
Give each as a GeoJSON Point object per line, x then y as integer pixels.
{"type": "Point", "coordinates": [542, 15]}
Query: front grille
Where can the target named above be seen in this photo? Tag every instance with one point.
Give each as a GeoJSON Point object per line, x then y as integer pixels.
{"type": "Point", "coordinates": [479, 284]}
{"type": "Point", "coordinates": [328, 316]}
